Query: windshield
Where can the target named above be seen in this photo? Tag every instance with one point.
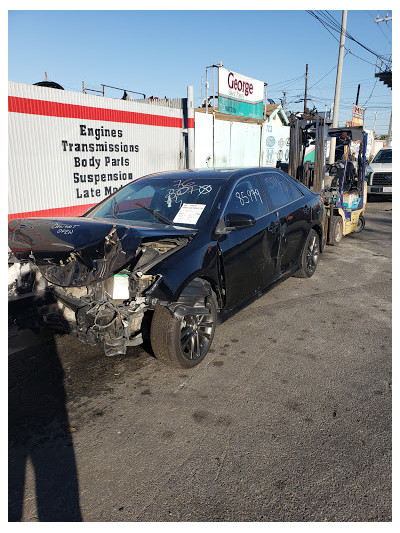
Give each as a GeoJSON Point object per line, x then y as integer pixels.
{"type": "Point", "coordinates": [162, 200]}
{"type": "Point", "coordinates": [383, 156]}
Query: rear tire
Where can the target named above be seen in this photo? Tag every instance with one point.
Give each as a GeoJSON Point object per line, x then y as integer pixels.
{"type": "Point", "coordinates": [309, 256]}
{"type": "Point", "coordinates": [182, 343]}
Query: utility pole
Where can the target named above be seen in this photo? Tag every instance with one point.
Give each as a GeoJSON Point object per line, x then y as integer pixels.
{"type": "Point", "coordinates": [265, 101]}
{"type": "Point", "coordinates": [376, 112]}
{"type": "Point", "coordinates": [305, 90]}
{"type": "Point", "coordinates": [284, 101]}
{"type": "Point", "coordinates": [207, 90]}
{"type": "Point", "coordinates": [338, 84]}
{"type": "Point", "coordinates": [358, 93]}
{"type": "Point", "coordinates": [389, 137]}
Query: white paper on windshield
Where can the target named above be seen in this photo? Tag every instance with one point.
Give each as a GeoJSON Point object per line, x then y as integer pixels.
{"type": "Point", "coordinates": [189, 213]}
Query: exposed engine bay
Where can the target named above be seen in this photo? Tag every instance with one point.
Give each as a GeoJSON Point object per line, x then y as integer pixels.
{"type": "Point", "coordinates": [83, 289]}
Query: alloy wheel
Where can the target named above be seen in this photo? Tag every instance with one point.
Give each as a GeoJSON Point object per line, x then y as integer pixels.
{"type": "Point", "coordinates": [312, 254]}
{"type": "Point", "coordinates": [196, 334]}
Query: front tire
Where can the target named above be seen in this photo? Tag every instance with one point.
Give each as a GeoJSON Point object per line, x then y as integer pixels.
{"type": "Point", "coordinates": [182, 343]}
{"type": "Point", "coordinates": [309, 256]}
{"type": "Point", "coordinates": [337, 230]}
{"type": "Point", "coordinates": [360, 224]}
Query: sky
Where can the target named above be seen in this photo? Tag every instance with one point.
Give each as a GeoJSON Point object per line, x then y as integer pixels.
{"type": "Point", "coordinates": [159, 53]}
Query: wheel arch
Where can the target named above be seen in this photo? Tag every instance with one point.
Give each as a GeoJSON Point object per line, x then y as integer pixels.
{"type": "Point", "coordinates": [193, 296]}
{"type": "Point", "coordinates": [319, 230]}
{"type": "Point", "coordinates": [201, 276]}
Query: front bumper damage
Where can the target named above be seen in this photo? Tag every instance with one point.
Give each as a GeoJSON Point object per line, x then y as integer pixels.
{"type": "Point", "coordinates": [90, 312]}
{"type": "Point", "coordinates": [84, 291]}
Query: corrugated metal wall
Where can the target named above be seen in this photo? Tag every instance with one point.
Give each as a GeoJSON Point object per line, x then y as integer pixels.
{"type": "Point", "coordinates": [203, 140]}
{"type": "Point", "coordinates": [222, 143]}
{"type": "Point", "coordinates": [245, 144]}
{"type": "Point", "coordinates": [68, 150]}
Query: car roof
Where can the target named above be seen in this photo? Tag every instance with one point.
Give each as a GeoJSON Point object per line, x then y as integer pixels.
{"type": "Point", "coordinates": [225, 174]}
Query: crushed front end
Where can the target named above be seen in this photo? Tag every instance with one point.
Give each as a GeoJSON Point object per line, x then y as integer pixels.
{"type": "Point", "coordinates": [87, 277]}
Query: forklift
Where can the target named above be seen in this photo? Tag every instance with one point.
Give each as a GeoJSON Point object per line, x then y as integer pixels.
{"type": "Point", "coordinates": [341, 184]}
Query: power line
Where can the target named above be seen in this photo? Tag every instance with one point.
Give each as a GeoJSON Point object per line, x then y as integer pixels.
{"type": "Point", "coordinates": [337, 27]}
{"type": "Point", "coordinates": [384, 34]}
{"type": "Point", "coordinates": [327, 23]}
{"type": "Point", "coordinates": [286, 81]}
{"type": "Point", "coordinates": [333, 68]}
{"type": "Point", "coordinates": [362, 59]}
{"type": "Point", "coordinates": [324, 25]}
{"type": "Point", "coordinates": [369, 98]}
{"type": "Point", "coordinates": [344, 86]}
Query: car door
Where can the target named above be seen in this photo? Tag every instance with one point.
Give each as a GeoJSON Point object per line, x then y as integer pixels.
{"type": "Point", "coordinates": [249, 255]}
{"type": "Point", "coordinates": [290, 206]}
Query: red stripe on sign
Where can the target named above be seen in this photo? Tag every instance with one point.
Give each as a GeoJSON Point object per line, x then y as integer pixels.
{"type": "Point", "coordinates": [72, 211]}
{"type": "Point", "coordinates": [190, 122]}
{"type": "Point", "coordinates": [57, 109]}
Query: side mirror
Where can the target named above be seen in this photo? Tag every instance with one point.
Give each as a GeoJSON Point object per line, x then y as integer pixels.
{"type": "Point", "coordinates": [239, 221]}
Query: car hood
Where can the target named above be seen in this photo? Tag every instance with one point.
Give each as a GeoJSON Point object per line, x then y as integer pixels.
{"type": "Point", "coordinates": [380, 167]}
{"type": "Point", "coordinates": [81, 251]}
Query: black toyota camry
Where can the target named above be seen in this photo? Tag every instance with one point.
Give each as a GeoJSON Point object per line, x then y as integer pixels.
{"type": "Point", "coordinates": [180, 251]}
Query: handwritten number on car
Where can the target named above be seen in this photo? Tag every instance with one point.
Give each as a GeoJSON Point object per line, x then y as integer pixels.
{"type": "Point", "coordinates": [253, 195]}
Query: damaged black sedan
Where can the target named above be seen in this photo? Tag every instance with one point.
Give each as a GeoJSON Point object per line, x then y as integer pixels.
{"type": "Point", "coordinates": [186, 249]}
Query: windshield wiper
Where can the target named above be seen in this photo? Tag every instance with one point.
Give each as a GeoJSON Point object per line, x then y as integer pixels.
{"type": "Point", "coordinates": [156, 214]}
{"type": "Point", "coordinates": [115, 208]}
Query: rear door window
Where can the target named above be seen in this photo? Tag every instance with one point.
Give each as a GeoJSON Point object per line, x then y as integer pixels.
{"type": "Point", "coordinates": [294, 190]}
{"type": "Point", "coordinates": [277, 189]}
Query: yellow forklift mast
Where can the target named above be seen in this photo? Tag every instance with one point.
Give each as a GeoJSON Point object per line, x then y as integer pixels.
{"type": "Point", "coordinates": [341, 184]}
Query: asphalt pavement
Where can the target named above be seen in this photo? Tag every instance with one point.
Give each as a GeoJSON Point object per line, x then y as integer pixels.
{"type": "Point", "coordinates": [288, 419]}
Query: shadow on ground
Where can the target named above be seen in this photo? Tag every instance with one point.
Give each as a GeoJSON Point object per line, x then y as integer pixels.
{"type": "Point", "coordinates": [40, 434]}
